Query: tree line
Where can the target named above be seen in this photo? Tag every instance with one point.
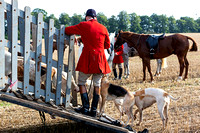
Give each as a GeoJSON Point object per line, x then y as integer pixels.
{"type": "Point", "coordinates": [130, 22]}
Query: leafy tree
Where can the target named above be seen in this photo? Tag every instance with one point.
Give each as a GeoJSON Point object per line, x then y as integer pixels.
{"type": "Point", "coordinates": [132, 22]}
{"type": "Point", "coordinates": [76, 19]}
{"type": "Point", "coordinates": [172, 25]}
{"type": "Point", "coordinates": [159, 23]}
{"type": "Point", "coordinates": [181, 25]}
{"type": "Point", "coordinates": [190, 24]}
{"type": "Point", "coordinates": [146, 24]}
{"type": "Point", "coordinates": [36, 11]}
{"type": "Point", "coordinates": [123, 21]}
{"type": "Point", "coordinates": [102, 19]}
{"type": "Point", "coordinates": [112, 24]}
{"type": "Point", "coordinates": [56, 21]}
{"type": "Point", "coordinates": [64, 19]}
{"type": "Point", "coordinates": [164, 23]}
{"type": "Point", "coordinates": [155, 26]}
{"type": "Point", "coordinates": [135, 23]}
{"type": "Point", "coordinates": [198, 24]}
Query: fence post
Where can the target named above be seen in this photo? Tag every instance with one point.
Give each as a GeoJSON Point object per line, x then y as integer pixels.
{"type": "Point", "coordinates": [38, 55]}
{"type": "Point", "coordinates": [60, 63]}
{"type": "Point", "coordinates": [49, 60]}
{"type": "Point", "coordinates": [70, 70]}
{"type": "Point", "coordinates": [2, 43]}
{"type": "Point", "coordinates": [27, 27]}
{"type": "Point", "coordinates": [14, 42]}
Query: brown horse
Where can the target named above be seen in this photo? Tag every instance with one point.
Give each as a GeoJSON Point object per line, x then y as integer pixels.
{"type": "Point", "coordinates": [175, 44]}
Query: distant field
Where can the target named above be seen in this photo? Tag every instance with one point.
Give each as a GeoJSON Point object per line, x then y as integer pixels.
{"type": "Point", "coordinates": [184, 114]}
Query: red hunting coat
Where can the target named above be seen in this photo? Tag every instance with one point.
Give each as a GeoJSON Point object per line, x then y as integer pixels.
{"type": "Point", "coordinates": [118, 55]}
{"type": "Point", "coordinates": [95, 39]}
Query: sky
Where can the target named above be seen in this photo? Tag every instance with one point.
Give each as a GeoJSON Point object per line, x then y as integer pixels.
{"type": "Point", "coordinates": [176, 8]}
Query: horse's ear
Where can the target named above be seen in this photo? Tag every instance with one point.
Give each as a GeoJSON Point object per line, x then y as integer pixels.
{"type": "Point", "coordinates": [120, 31]}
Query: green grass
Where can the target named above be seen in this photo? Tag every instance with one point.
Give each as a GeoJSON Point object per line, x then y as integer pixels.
{"type": "Point", "coordinates": [3, 103]}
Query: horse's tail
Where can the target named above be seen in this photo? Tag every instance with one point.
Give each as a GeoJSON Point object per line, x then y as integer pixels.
{"type": "Point", "coordinates": [164, 63]}
{"type": "Point", "coordinates": [194, 46]}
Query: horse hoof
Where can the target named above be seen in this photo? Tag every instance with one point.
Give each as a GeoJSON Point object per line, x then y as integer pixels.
{"type": "Point", "coordinates": [158, 75]}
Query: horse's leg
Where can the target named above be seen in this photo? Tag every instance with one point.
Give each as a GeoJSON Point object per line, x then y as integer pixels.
{"type": "Point", "coordinates": [158, 70]}
{"type": "Point", "coordinates": [186, 67]}
{"type": "Point", "coordinates": [181, 63]}
{"type": "Point", "coordinates": [144, 70]}
{"type": "Point", "coordinates": [149, 69]}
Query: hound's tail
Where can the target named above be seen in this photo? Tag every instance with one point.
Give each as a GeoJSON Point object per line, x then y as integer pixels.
{"type": "Point", "coordinates": [194, 46]}
{"type": "Point", "coordinates": [175, 99]}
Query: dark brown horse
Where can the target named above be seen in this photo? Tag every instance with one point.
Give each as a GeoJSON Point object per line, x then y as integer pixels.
{"type": "Point", "coordinates": [175, 44]}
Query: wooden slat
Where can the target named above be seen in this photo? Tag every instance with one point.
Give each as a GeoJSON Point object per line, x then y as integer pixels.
{"type": "Point", "coordinates": [38, 54]}
{"type": "Point", "coordinates": [46, 38]}
{"type": "Point", "coordinates": [26, 49]}
{"type": "Point", "coordinates": [14, 42]}
{"type": "Point", "coordinates": [2, 43]}
{"type": "Point", "coordinates": [9, 27]}
{"type": "Point", "coordinates": [49, 60]}
{"type": "Point", "coordinates": [60, 63]}
{"type": "Point", "coordinates": [70, 70]}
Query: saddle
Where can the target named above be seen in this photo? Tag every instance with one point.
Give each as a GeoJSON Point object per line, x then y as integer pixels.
{"type": "Point", "coordinates": [152, 43]}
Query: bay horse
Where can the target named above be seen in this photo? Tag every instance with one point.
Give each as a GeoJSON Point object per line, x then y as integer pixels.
{"type": "Point", "coordinates": [174, 44]}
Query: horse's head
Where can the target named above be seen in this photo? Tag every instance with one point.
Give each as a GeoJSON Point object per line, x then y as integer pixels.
{"type": "Point", "coordinates": [119, 41]}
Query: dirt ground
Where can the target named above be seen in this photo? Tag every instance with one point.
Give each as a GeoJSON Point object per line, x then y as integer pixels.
{"type": "Point", "coordinates": [184, 114]}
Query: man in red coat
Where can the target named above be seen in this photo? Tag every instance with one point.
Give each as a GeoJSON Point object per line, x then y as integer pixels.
{"type": "Point", "coordinates": [118, 60]}
{"type": "Point", "coordinates": [92, 61]}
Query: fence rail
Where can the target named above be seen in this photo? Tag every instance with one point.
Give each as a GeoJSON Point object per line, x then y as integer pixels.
{"type": "Point", "coordinates": [17, 29]}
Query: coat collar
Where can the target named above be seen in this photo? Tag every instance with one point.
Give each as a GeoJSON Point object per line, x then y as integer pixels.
{"type": "Point", "coordinates": [92, 19]}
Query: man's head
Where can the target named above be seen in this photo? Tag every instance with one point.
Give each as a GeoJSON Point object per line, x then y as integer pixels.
{"type": "Point", "coordinates": [90, 13]}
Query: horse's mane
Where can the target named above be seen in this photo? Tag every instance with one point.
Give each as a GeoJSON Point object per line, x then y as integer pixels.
{"type": "Point", "coordinates": [129, 33]}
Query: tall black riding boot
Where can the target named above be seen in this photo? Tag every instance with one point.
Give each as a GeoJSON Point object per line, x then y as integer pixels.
{"type": "Point", "coordinates": [120, 73]}
{"type": "Point", "coordinates": [115, 74]}
{"type": "Point", "coordinates": [85, 105]}
{"type": "Point", "coordinates": [95, 102]}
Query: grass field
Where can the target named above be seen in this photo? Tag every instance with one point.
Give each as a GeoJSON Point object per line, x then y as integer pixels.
{"type": "Point", "coordinates": [184, 114]}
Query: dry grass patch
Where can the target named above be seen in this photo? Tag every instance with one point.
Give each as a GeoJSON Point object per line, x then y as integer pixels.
{"type": "Point", "coordinates": [184, 114]}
